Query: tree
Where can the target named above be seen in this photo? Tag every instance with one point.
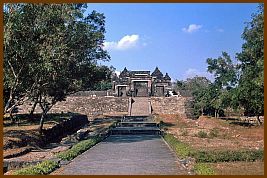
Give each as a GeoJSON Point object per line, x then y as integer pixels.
{"type": "Point", "coordinates": [20, 55]}
{"type": "Point", "coordinates": [63, 44]}
{"type": "Point", "coordinates": [199, 88]}
{"type": "Point", "coordinates": [100, 78]}
{"type": "Point", "coordinates": [251, 83]}
{"type": "Point", "coordinates": [224, 70]}
{"type": "Point", "coordinates": [225, 73]}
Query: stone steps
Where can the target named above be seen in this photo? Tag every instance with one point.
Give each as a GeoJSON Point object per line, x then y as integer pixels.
{"type": "Point", "coordinates": [140, 106]}
{"type": "Point", "coordinates": [136, 131]}
{"type": "Point", "coordinates": [136, 125]}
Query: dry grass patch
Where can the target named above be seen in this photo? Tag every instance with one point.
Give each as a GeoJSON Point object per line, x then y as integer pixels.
{"type": "Point", "coordinates": [238, 168]}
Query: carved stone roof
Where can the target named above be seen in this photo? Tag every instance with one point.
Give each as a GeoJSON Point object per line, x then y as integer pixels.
{"type": "Point", "coordinates": [140, 72]}
{"type": "Point", "coordinates": [124, 73]}
{"type": "Point", "coordinates": [157, 73]}
{"type": "Point", "coordinates": [167, 77]}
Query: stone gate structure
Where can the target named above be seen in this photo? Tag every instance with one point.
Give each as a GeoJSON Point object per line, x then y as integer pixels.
{"type": "Point", "coordinates": [141, 83]}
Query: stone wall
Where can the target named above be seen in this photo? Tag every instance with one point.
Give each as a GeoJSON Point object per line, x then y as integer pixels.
{"type": "Point", "coordinates": [64, 128]}
{"type": "Point", "coordinates": [93, 93]}
{"type": "Point", "coordinates": [171, 105]}
{"type": "Point", "coordinates": [93, 106]}
{"type": "Point", "coordinates": [90, 106]}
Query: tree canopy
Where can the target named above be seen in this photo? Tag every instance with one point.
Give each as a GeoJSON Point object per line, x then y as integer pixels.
{"type": "Point", "coordinates": [50, 51]}
{"type": "Point", "coordinates": [239, 84]}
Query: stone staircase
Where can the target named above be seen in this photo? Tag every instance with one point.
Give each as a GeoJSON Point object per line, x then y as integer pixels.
{"type": "Point", "coordinates": [136, 126]}
{"type": "Point", "coordinates": [140, 107]}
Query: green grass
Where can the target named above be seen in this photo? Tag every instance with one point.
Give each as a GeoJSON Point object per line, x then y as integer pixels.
{"type": "Point", "coordinates": [78, 149]}
{"type": "Point", "coordinates": [182, 150]}
{"type": "Point", "coordinates": [227, 156]}
{"type": "Point", "coordinates": [203, 169]}
{"type": "Point", "coordinates": [42, 168]}
{"type": "Point", "coordinates": [202, 157]}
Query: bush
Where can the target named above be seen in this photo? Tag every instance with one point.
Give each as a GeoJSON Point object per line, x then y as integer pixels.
{"type": "Point", "coordinates": [184, 132]}
{"type": "Point", "coordinates": [77, 149]}
{"type": "Point", "coordinates": [42, 168]}
{"type": "Point", "coordinates": [203, 169]}
{"type": "Point", "coordinates": [214, 133]}
{"type": "Point", "coordinates": [227, 156]}
{"type": "Point", "coordinates": [181, 149]}
{"type": "Point", "coordinates": [202, 134]}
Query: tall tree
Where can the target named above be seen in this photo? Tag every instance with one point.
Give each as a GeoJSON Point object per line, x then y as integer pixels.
{"type": "Point", "coordinates": [251, 83]}
{"type": "Point", "coordinates": [64, 44]}
{"type": "Point", "coordinates": [225, 73]}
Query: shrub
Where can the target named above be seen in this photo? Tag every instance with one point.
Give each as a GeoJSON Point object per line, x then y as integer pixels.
{"type": "Point", "coordinates": [77, 149]}
{"type": "Point", "coordinates": [227, 156]}
{"type": "Point", "coordinates": [181, 149]}
{"type": "Point", "coordinates": [214, 133]}
{"type": "Point", "coordinates": [42, 168]}
{"type": "Point", "coordinates": [203, 169]}
{"type": "Point", "coordinates": [184, 132]}
{"type": "Point", "coordinates": [202, 134]}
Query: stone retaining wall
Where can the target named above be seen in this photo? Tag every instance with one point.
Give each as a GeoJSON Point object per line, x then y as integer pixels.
{"type": "Point", "coordinates": [67, 127]}
{"type": "Point", "coordinates": [93, 93]}
{"type": "Point", "coordinates": [171, 105]}
{"type": "Point", "coordinates": [90, 106]}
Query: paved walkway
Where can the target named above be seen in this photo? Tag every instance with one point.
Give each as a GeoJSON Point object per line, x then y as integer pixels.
{"type": "Point", "coordinates": [126, 155]}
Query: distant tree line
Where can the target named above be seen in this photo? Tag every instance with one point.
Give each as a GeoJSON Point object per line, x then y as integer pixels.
{"type": "Point", "coordinates": [236, 85]}
{"type": "Point", "coordinates": [51, 51]}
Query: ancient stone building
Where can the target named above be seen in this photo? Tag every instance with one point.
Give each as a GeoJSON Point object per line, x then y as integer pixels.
{"type": "Point", "coordinates": [141, 83]}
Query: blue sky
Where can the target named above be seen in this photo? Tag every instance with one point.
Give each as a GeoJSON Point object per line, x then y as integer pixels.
{"type": "Point", "coordinates": [178, 38]}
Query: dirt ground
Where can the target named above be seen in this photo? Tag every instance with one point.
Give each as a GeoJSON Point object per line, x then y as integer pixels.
{"type": "Point", "coordinates": [230, 135]}
{"type": "Point", "coordinates": [237, 168]}
{"type": "Point", "coordinates": [25, 136]}
{"type": "Point", "coordinates": [25, 140]}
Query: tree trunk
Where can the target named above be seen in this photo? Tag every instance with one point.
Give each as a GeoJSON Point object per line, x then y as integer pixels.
{"type": "Point", "coordinates": [32, 111]}
{"type": "Point", "coordinates": [7, 105]}
{"type": "Point", "coordinates": [216, 113]}
{"type": "Point", "coordinates": [42, 120]}
{"type": "Point", "coordinates": [258, 120]}
{"type": "Point", "coordinates": [11, 117]}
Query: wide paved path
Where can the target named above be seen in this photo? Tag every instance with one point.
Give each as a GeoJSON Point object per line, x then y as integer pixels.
{"type": "Point", "coordinates": [126, 155]}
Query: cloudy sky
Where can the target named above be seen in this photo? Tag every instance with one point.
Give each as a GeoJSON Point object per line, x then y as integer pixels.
{"type": "Point", "coordinates": [178, 38]}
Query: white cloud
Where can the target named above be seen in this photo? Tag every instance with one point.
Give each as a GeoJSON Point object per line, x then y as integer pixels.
{"type": "Point", "coordinates": [220, 30]}
{"type": "Point", "coordinates": [192, 28]}
{"type": "Point", "coordinates": [191, 72]}
{"type": "Point", "coordinates": [117, 72]}
{"type": "Point", "coordinates": [126, 42]}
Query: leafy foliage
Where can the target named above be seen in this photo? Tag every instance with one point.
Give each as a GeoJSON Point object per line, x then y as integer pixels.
{"type": "Point", "coordinates": [42, 168]}
{"type": "Point", "coordinates": [251, 83]}
{"type": "Point", "coordinates": [237, 84]}
{"type": "Point", "coordinates": [77, 149]}
{"type": "Point", "coordinates": [227, 156]}
{"type": "Point", "coordinates": [49, 52]}
{"type": "Point", "coordinates": [203, 169]}
{"type": "Point", "coordinates": [202, 134]}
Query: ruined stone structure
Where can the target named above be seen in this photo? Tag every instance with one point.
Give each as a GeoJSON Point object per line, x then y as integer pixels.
{"type": "Point", "coordinates": [119, 106]}
{"type": "Point", "coordinates": [141, 83]}
{"type": "Point", "coordinates": [90, 106]}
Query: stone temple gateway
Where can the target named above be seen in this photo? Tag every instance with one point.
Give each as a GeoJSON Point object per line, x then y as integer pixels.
{"type": "Point", "coordinates": [141, 83]}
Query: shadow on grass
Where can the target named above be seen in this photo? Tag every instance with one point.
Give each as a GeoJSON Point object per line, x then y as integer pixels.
{"type": "Point", "coordinates": [244, 124]}
{"type": "Point", "coordinates": [27, 120]}
{"type": "Point", "coordinates": [166, 124]}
